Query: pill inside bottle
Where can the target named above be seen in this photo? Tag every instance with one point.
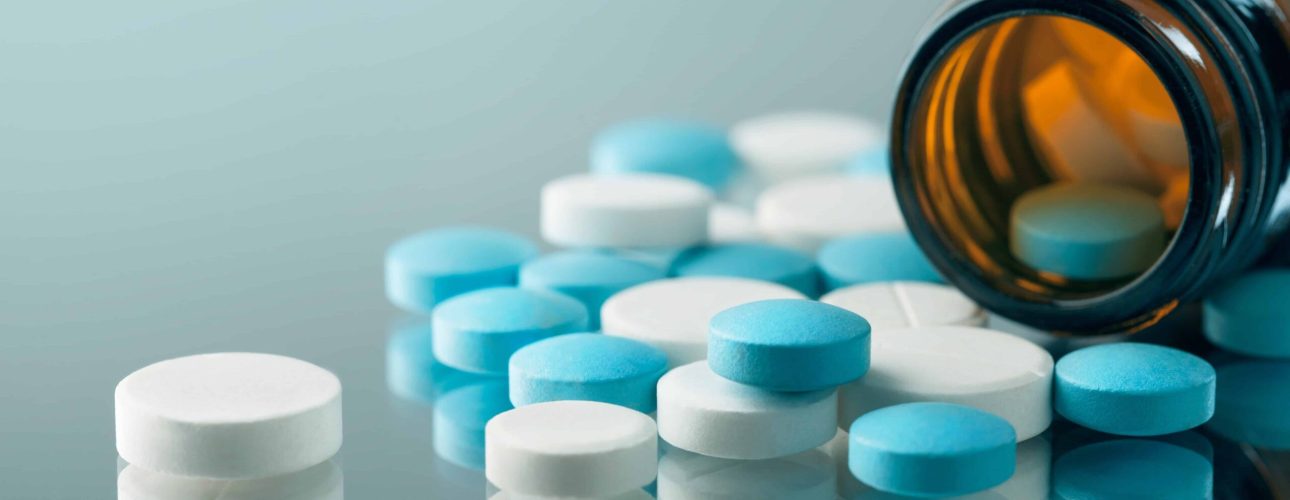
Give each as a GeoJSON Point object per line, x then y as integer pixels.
{"type": "Point", "coordinates": [1059, 155]}
{"type": "Point", "coordinates": [1106, 133]}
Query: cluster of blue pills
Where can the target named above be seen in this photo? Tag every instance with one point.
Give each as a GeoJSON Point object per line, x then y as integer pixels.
{"type": "Point", "coordinates": [524, 329]}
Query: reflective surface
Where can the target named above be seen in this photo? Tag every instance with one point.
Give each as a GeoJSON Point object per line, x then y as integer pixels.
{"type": "Point", "coordinates": [216, 175]}
{"type": "Point", "coordinates": [167, 188]}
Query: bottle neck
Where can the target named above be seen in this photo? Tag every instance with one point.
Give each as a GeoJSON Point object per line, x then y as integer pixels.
{"type": "Point", "coordinates": [961, 155]}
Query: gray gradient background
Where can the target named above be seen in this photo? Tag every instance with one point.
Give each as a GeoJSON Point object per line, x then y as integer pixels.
{"type": "Point", "coordinates": [180, 177]}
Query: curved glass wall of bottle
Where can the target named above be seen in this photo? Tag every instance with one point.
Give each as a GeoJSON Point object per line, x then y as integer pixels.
{"type": "Point", "coordinates": [961, 157]}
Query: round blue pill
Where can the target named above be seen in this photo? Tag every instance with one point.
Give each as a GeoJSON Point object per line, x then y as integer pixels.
{"type": "Point", "coordinates": [932, 449]}
{"type": "Point", "coordinates": [479, 331]}
{"type": "Point", "coordinates": [1249, 315]}
{"type": "Point", "coordinates": [460, 417]}
{"type": "Point", "coordinates": [1088, 231]}
{"type": "Point", "coordinates": [1133, 389]}
{"type": "Point", "coordinates": [1132, 468]}
{"type": "Point", "coordinates": [665, 146]}
{"type": "Point", "coordinates": [589, 277]}
{"type": "Point", "coordinates": [759, 261]}
{"type": "Point", "coordinates": [873, 257]}
{"type": "Point", "coordinates": [587, 367]}
{"type": "Point", "coordinates": [427, 268]}
{"type": "Point", "coordinates": [789, 345]}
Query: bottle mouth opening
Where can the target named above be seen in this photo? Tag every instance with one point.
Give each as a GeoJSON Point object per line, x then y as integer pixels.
{"type": "Point", "coordinates": [1052, 157]}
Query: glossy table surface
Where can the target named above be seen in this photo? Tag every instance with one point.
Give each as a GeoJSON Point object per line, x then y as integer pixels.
{"type": "Point", "coordinates": [224, 175]}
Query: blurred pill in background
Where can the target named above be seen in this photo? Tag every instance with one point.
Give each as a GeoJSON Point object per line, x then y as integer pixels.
{"type": "Point", "coordinates": [589, 277]}
{"type": "Point", "coordinates": [759, 261]}
{"type": "Point", "coordinates": [875, 161]}
{"type": "Point", "coordinates": [1251, 314]}
{"type": "Point", "coordinates": [872, 257]}
{"type": "Point", "coordinates": [805, 213]}
{"type": "Point", "coordinates": [730, 223]}
{"type": "Point", "coordinates": [683, 148]}
{"type": "Point", "coordinates": [790, 144]}
{"type": "Point", "coordinates": [427, 268]}
{"type": "Point", "coordinates": [625, 210]}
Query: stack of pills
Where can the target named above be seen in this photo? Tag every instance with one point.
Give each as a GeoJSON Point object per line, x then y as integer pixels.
{"type": "Point", "coordinates": [774, 325]}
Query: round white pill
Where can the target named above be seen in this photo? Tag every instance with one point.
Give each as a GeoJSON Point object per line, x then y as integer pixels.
{"type": "Point", "coordinates": [701, 412]}
{"type": "Point", "coordinates": [571, 448]}
{"type": "Point", "coordinates": [783, 145]}
{"type": "Point", "coordinates": [625, 210]}
{"type": "Point", "coordinates": [228, 416]}
{"type": "Point", "coordinates": [805, 213]}
{"type": "Point", "coordinates": [984, 369]}
{"type": "Point", "coordinates": [673, 314]}
{"type": "Point", "coordinates": [906, 304]}
{"type": "Point", "coordinates": [809, 475]}
{"type": "Point", "coordinates": [320, 482]}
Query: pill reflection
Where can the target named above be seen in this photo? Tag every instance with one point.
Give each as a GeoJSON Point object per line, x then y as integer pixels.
{"type": "Point", "coordinates": [460, 416]}
{"type": "Point", "coordinates": [411, 372]}
{"type": "Point", "coordinates": [1133, 468]}
{"type": "Point", "coordinates": [1028, 482]}
{"type": "Point", "coordinates": [1252, 402]}
{"type": "Point", "coordinates": [320, 482]}
{"type": "Point", "coordinates": [806, 476]}
{"type": "Point", "coordinates": [631, 495]}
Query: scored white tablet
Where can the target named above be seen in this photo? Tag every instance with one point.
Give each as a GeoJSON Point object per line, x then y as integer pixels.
{"type": "Point", "coordinates": [228, 416]}
{"type": "Point", "coordinates": [985, 369]}
{"type": "Point", "coordinates": [625, 210]}
{"type": "Point", "coordinates": [905, 304]}
{"type": "Point", "coordinates": [673, 314]}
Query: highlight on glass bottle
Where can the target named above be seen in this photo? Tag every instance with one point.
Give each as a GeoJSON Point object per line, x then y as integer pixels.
{"type": "Point", "coordinates": [1082, 168]}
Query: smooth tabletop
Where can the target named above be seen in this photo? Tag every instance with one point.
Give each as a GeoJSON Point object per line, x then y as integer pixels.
{"type": "Point", "coordinates": [225, 175]}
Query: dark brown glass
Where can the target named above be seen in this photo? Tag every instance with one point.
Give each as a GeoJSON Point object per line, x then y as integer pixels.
{"type": "Point", "coordinates": [961, 153]}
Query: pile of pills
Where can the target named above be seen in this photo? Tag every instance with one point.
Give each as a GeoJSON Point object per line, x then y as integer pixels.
{"type": "Point", "coordinates": [748, 305]}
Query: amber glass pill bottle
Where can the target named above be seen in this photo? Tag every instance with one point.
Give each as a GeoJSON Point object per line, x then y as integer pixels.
{"type": "Point", "coordinates": [1187, 101]}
